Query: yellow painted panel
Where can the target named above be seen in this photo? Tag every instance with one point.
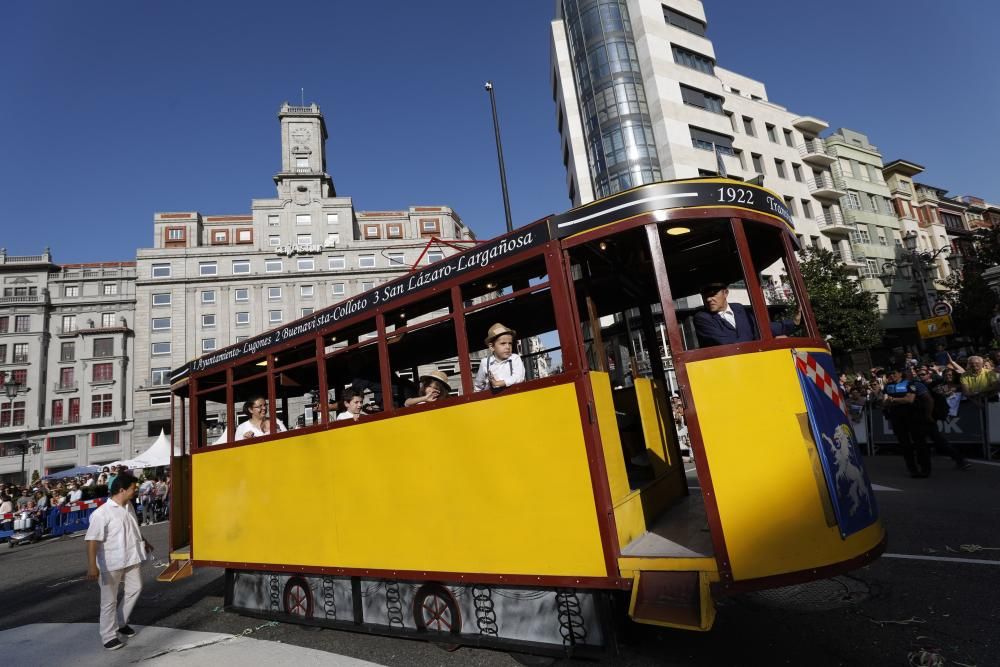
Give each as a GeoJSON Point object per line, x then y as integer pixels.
{"type": "Point", "coordinates": [614, 459]}
{"type": "Point", "coordinates": [760, 456]}
{"type": "Point", "coordinates": [496, 486]}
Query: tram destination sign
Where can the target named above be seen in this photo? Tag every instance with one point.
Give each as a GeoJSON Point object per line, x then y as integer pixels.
{"type": "Point", "coordinates": [480, 257]}
{"type": "Point", "coordinates": [660, 196]}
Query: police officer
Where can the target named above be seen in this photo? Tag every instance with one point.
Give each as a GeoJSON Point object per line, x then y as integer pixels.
{"type": "Point", "coordinates": [906, 404]}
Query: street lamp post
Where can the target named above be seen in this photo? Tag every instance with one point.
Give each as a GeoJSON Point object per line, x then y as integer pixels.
{"type": "Point", "coordinates": [920, 262]}
{"type": "Point", "coordinates": [503, 172]}
{"type": "Point", "coordinates": [12, 389]}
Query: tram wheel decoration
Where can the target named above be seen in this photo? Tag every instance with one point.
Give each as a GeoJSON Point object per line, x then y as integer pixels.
{"type": "Point", "coordinates": [298, 598]}
{"type": "Point", "coordinates": [435, 610]}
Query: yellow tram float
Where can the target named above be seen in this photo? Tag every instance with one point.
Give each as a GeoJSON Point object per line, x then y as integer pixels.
{"type": "Point", "coordinates": [537, 515]}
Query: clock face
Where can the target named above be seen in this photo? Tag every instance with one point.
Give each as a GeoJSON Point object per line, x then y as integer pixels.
{"type": "Point", "coordinates": [301, 135]}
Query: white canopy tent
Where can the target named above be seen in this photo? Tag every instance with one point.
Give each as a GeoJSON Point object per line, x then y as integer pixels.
{"type": "Point", "coordinates": [157, 455]}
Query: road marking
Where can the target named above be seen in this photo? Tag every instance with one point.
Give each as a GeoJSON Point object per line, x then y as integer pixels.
{"type": "Point", "coordinates": [984, 463]}
{"type": "Point", "coordinates": [944, 559]}
{"type": "Point", "coordinates": [879, 487]}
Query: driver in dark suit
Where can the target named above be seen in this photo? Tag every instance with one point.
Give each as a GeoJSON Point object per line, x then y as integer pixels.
{"type": "Point", "coordinates": [724, 323]}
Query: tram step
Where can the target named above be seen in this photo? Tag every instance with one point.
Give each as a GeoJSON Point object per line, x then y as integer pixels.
{"type": "Point", "coordinates": [673, 599]}
{"type": "Point", "coordinates": [178, 569]}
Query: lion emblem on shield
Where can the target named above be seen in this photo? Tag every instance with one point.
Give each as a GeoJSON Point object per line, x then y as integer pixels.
{"type": "Point", "coordinates": [845, 459]}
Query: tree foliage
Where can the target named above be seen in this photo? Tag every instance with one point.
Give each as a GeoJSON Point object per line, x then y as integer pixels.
{"type": "Point", "coordinates": [844, 311]}
{"type": "Point", "coordinates": [973, 302]}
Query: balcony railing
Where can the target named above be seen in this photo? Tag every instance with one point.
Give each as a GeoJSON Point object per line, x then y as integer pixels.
{"type": "Point", "coordinates": [832, 218]}
{"type": "Point", "coordinates": [65, 386]}
{"type": "Point", "coordinates": [814, 150]}
{"type": "Point", "coordinates": [62, 421]}
{"type": "Point", "coordinates": [926, 195]}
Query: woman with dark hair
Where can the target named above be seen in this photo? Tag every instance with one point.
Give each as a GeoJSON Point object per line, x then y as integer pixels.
{"type": "Point", "coordinates": [433, 385]}
{"type": "Point", "coordinates": [257, 424]}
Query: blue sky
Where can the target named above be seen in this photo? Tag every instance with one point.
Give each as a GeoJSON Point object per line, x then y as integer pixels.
{"type": "Point", "coordinates": [117, 109]}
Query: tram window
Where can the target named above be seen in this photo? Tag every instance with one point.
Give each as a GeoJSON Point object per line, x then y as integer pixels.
{"type": "Point", "coordinates": [698, 254]}
{"type": "Point", "coordinates": [352, 360]}
{"type": "Point", "coordinates": [297, 385]}
{"type": "Point", "coordinates": [767, 254]}
{"type": "Point", "coordinates": [520, 299]}
{"type": "Point", "coordinates": [421, 340]}
{"type": "Point", "coordinates": [211, 408]}
{"type": "Point", "coordinates": [622, 325]}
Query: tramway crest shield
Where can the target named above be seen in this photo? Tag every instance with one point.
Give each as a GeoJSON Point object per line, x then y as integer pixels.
{"type": "Point", "coordinates": [850, 489]}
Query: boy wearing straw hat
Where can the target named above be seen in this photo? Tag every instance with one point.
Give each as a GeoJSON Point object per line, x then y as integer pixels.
{"type": "Point", "coordinates": [503, 367]}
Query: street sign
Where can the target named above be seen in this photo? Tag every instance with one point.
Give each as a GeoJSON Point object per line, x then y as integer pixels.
{"type": "Point", "coordinates": [936, 326]}
{"type": "Point", "coordinates": [941, 308]}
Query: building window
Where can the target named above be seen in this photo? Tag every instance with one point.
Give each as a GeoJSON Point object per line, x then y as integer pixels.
{"type": "Point", "coordinates": [332, 239]}
{"type": "Point", "coordinates": [208, 321]}
{"type": "Point", "coordinates": [207, 344]}
{"type": "Point", "coordinates": [273, 221]}
{"type": "Point", "coordinates": [67, 378]}
{"type": "Point", "coordinates": [208, 269]}
{"type": "Point", "coordinates": [303, 219]}
{"type": "Point", "coordinates": [107, 320]}
{"type": "Point", "coordinates": [434, 256]}
{"type": "Point", "coordinates": [74, 415]}
{"type": "Point", "coordinates": [244, 235]}
{"type": "Point", "coordinates": [701, 99]}
{"type": "Point", "coordinates": [3, 353]}
{"type": "Point", "coordinates": [396, 259]}
{"type": "Point", "coordinates": [273, 241]}
{"type": "Point", "coordinates": [161, 299]}
{"type": "Point", "coordinates": [4, 321]}
{"type": "Point", "coordinates": [67, 352]}
{"type": "Point", "coordinates": [366, 261]}
{"type": "Point", "coordinates": [158, 349]}
{"type": "Point", "coordinates": [790, 205]}
{"type": "Point", "coordinates": [748, 127]}
{"type": "Point", "coordinates": [241, 266]}
{"type": "Point", "coordinates": [19, 353]}
{"type": "Point", "coordinates": [372, 232]}
{"type": "Point", "coordinates": [758, 163]}
{"type": "Point", "coordinates": [22, 323]}
{"type": "Point", "coordinates": [683, 21]}
{"type": "Point", "coordinates": [394, 230]}
{"type": "Point", "coordinates": [103, 372]}
{"type": "Point", "coordinates": [272, 266]}
{"type": "Point", "coordinates": [337, 262]}
{"type": "Point", "coordinates": [772, 132]}
{"type": "Point", "coordinates": [797, 172]}
{"type": "Point", "coordinates": [429, 226]}
{"type": "Point", "coordinates": [175, 236]}
{"type": "Point", "coordinates": [208, 296]}
{"type": "Point", "coordinates": [789, 138]}
{"type": "Point", "coordinates": [161, 270]}
{"type": "Point", "coordinates": [110, 289]}
{"type": "Point", "coordinates": [274, 294]}
{"type": "Point", "coordinates": [711, 141]}
{"type": "Point", "coordinates": [693, 60]}
{"type": "Point", "coordinates": [779, 166]}
{"type": "Point", "coordinates": [220, 237]}
{"type": "Point", "coordinates": [337, 288]}
{"type": "Point", "coordinates": [807, 209]}
{"type": "Point", "coordinates": [19, 376]}
{"type": "Point", "coordinates": [104, 347]}
{"type": "Point", "coordinates": [161, 324]}
{"type": "Point", "coordinates": [860, 236]}
{"type": "Point", "coordinates": [303, 239]}
{"type": "Point", "coordinates": [159, 399]}
{"type": "Point", "coordinates": [274, 316]}
{"type": "Point", "coordinates": [306, 311]}
{"type": "Point", "coordinates": [105, 438]}
{"type": "Point", "coordinates": [242, 294]}
{"type": "Point", "coordinates": [306, 291]}
{"type": "Point", "coordinates": [301, 163]}
{"type": "Point", "coordinates": [367, 285]}
{"type": "Point", "coordinates": [881, 238]}
{"type": "Point", "coordinates": [853, 201]}
{"type": "Point", "coordinates": [71, 290]}
{"type": "Point", "coordinates": [242, 318]}
{"type": "Point", "coordinates": [159, 376]}
{"type": "Point", "coordinates": [68, 323]}
{"type": "Point", "coordinates": [332, 218]}
{"type": "Point", "coordinates": [57, 412]}
{"type": "Point", "coordinates": [64, 443]}
{"type": "Point", "coordinates": [306, 264]}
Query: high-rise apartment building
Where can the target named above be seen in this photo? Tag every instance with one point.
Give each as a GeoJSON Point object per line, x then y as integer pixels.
{"type": "Point", "coordinates": [210, 281]}
{"type": "Point", "coordinates": [640, 98]}
{"type": "Point", "coordinates": [66, 335]}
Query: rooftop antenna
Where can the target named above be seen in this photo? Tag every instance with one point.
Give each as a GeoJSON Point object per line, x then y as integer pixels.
{"type": "Point", "coordinates": [303, 96]}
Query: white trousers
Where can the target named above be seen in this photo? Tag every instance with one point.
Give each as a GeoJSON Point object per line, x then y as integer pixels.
{"type": "Point", "coordinates": [113, 615]}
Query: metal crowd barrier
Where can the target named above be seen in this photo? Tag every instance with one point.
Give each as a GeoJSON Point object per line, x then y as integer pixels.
{"type": "Point", "coordinates": [975, 425]}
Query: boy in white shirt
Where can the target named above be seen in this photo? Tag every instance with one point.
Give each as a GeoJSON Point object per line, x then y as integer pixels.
{"type": "Point", "coordinates": [352, 405]}
{"type": "Point", "coordinates": [503, 367]}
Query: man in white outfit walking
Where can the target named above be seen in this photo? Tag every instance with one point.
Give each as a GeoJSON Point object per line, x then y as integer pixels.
{"type": "Point", "coordinates": [116, 548]}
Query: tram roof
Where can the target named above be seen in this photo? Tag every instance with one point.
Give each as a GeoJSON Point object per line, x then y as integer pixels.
{"type": "Point", "coordinates": [700, 193]}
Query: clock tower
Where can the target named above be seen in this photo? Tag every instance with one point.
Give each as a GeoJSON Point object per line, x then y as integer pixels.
{"type": "Point", "coordinates": [303, 176]}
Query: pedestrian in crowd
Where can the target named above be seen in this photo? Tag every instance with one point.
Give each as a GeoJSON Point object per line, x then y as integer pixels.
{"type": "Point", "coordinates": [978, 383]}
{"type": "Point", "coordinates": [6, 507]}
{"type": "Point", "coordinates": [503, 367]}
{"type": "Point", "coordinates": [75, 494]}
{"type": "Point", "coordinates": [938, 408]}
{"type": "Point", "coordinates": [115, 552]}
{"type": "Point", "coordinates": [905, 405]}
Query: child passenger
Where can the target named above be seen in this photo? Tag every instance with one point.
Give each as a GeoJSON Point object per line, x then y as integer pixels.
{"type": "Point", "coordinates": [503, 367]}
{"type": "Point", "coordinates": [433, 385]}
{"type": "Point", "coordinates": [352, 405]}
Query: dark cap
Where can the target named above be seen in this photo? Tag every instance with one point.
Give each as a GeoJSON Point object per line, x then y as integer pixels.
{"type": "Point", "coordinates": [713, 287]}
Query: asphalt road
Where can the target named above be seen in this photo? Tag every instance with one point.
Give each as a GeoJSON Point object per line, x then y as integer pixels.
{"type": "Point", "coordinates": [883, 614]}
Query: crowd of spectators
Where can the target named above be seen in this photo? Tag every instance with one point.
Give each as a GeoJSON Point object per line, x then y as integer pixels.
{"type": "Point", "coordinates": [39, 497]}
{"type": "Point", "coordinates": [952, 376]}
